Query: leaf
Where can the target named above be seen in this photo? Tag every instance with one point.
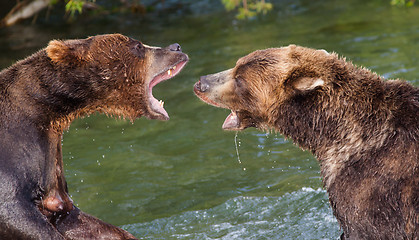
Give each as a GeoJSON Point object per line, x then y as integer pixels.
{"type": "Point", "coordinates": [74, 6]}
{"type": "Point", "coordinates": [245, 13]}
{"type": "Point", "coordinates": [247, 8]}
{"type": "Point", "coordinates": [230, 4]}
{"type": "Point", "coordinates": [402, 3]}
{"type": "Point", "coordinates": [410, 3]}
{"type": "Point", "coordinates": [261, 7]}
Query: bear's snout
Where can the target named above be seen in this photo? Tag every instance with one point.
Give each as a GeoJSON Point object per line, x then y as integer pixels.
{"type": "Point", "coordinates": [215, 80]}
{"type": "Point", "coordinates": [215, 88]}
{"type": "Point", "coordinates": [202, 85]}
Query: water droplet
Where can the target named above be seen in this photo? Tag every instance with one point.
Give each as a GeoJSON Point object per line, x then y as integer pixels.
{"type": "Point", "coordinates": [237, 149]}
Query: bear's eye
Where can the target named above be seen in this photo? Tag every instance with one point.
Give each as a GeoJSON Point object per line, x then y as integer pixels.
{"type": "Point", "coordinates": [241, 87]}
{"type": "Point", "coordinates": [239, 82]}
{"type": "Point", "coordinates": [139, 50]}
{"type": "Point", "coordinates": [139, 46]}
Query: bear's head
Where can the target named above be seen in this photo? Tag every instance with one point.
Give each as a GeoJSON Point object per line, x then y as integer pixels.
{"type": "Point", "coordinates": [262, 81]}
{"type": "Point", "coordinates": [113, 74]}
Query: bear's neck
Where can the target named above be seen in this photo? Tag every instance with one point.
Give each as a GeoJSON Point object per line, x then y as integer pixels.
{"type": "Point", "coordinates": [47, 95]}
{"type": "Point", "coordinates": [347, 122]}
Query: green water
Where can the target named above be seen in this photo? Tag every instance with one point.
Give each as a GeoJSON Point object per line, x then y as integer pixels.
{"type": "Point", "coordinates": [182, 179]}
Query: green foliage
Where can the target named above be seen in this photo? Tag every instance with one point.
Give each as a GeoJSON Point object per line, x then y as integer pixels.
{"type": "Point", "coordinates": [75, 6]}
{"type": "Point", "coordinates": [250, 8]}
{"type": "Point", "coordinates": [247, 8]}
{"type": "Point", "coordinates": [230, 4]}
{"type": "Point", "coordinates": [262, 7]}
{"type": "Point", "coordinates": [406, 3]}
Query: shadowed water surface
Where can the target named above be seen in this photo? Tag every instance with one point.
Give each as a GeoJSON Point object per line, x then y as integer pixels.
{"type": "Point", "coordinates": [182, 179]}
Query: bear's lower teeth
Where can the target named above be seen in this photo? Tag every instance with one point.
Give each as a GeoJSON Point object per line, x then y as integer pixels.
{"type": "Point", "coordinates": [169, 72]}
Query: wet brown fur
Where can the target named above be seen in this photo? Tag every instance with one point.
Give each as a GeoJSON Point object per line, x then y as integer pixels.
{"type": "Point", "coordinates": [363, 130]}
{"type": "Point", "coordinates": [39, 97]}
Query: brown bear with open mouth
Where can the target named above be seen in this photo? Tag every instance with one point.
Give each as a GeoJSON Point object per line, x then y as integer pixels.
{"type": "Point", "coordinates": [40, 96]}
{"type": "Point", "coordinates": [363, 130]}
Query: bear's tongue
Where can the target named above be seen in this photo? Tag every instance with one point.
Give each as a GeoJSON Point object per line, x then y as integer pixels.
{"type": "Point", "coordinates": [156, 105]}
{"type": "Point", "coordinates": [231, 122]}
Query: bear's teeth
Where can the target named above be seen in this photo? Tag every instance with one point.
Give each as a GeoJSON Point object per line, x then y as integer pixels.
{"type": "Point", "coordinates": [161, 103]}
{"type": "Point", "coordinates": [174, 68]}
{"type": "Point", "coordinates": [169, 72]}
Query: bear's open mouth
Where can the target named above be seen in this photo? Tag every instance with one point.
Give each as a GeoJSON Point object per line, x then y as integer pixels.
{"type": "Point", "coordinates": [157, 105]}
{"type": "Point", "coordinates": [232, 121]}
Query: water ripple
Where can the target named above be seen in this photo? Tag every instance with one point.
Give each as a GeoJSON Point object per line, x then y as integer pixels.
{"type": "Point", "coordinates": [303, 214]}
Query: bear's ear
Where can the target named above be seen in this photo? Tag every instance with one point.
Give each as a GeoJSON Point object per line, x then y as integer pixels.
{"type": "Point", "coordinates": [307, 83]}
{"type": "Point", "coordinates": [66, 52]}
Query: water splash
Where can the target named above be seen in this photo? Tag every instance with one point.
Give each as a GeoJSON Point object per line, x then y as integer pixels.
{"type": "Point", "coordinates": [302, 214]}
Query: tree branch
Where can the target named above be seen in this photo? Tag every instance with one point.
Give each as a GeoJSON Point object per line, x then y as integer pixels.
{"type": "Point", "coordinates": [23, 10]}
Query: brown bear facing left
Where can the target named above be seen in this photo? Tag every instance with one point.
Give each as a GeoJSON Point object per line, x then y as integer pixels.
{"type": "Point", "coordinates": [40, 96]}
{"type": "Point", "coordinates": [363, 130]}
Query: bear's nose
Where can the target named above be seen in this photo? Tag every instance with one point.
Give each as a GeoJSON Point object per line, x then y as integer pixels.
{"type": "Point", "coordinates": [175, 47]}
{"type": "Point", "coordinates": [203, 85]}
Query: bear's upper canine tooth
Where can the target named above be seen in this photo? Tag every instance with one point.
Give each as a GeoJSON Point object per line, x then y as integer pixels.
{"type": "Point", "coordinates": [174, 68]}
{"type": "Point", "coordinates": [169, 72]}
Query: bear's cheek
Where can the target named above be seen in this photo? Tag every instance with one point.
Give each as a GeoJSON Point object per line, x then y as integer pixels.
{"type": "Point", "coordinates": [222, 95]}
